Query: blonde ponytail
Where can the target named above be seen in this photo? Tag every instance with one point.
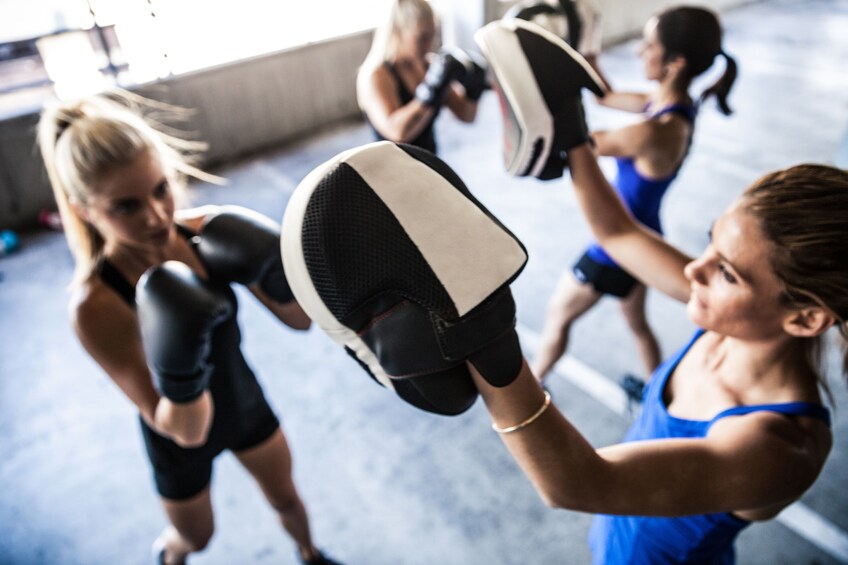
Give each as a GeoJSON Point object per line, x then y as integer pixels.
{"type": "Point", "coordinates": [80, 141]}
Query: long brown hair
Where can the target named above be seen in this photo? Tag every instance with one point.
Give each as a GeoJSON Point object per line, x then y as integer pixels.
{"type": "Point", "coordinates": [694, 33]}
{"type": "Point", "coordinates": [803, 211]}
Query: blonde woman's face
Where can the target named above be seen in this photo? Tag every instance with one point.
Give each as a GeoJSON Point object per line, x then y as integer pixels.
{"type": "Point", "coordinates": [133, 205]}
{"type": "Point", "coordinates": [419, 40]}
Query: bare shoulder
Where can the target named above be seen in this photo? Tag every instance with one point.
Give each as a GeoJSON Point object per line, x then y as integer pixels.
{"type": "Point", "coordinates": [671, 125]}
{"type": "Point", "coordinates": [108, 329]}
{"type": "Point", "coordinates": [193, 218]}
{"type": "Point", "coordinates": [382, 80]}
{"type": "Point", "coordinates": [100, 316]}
{"type": "Point", "coordinates": [799, 443]}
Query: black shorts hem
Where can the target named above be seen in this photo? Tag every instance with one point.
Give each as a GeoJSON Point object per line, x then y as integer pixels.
{"type": "Point", "coordinates": [604, 278]}
{"type": "Point", "coordinates": [182, 473]}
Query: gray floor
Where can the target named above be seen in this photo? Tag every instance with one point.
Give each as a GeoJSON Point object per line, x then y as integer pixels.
{"type": "Point", "coordinates": [384, 483]}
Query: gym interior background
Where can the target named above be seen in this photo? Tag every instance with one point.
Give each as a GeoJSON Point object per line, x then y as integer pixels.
{"type": "Point", "coordinates": [383, 483]}
{"type": "Point", "coordinates": [257, 101]}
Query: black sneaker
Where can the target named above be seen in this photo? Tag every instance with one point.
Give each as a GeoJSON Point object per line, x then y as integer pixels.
{"type": "Point", "coordinates": [320, 559]}
{"type": "Point", "coordinates": [634, 387]}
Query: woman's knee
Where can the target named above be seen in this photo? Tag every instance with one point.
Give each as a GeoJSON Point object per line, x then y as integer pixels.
{"type": "Point", "coordinates": [198, 539]}
{"type": "Point", "coordinates": [286, 500]}
{"type": "Point", "coordinates": [640, 327]}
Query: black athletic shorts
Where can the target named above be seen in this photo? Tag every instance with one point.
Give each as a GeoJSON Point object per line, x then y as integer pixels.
{"type": "Point", "coordinates": [604, 278]}
{"type": "Point", "coordinates": [181, 473]}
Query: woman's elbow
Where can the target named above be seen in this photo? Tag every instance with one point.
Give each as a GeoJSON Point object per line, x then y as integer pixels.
{"type": "Point", "coordinates": [396, 135]}
{"type": "Point", "coordinates": [300, 324]}
{"type": "Point", "coordinates": [553, 498]}
{"type": "Point", "coordinates": [563, 496]}
{"type": "Point", "coordinates": [192, 439]}
{"type": "Point", "coordinates": [468, 113]}
{"type": "Point", "coordinates": [293, 316]}
{"type": "Point", "coordinates": [550, 501]}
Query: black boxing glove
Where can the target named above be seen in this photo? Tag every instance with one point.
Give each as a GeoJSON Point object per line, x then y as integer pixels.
{"type": "Point", "coordinates": [443, 69]}
{"type": "Point", "coordinates": [570, 130]}
{"type": "Point", "coordinates": [473, 78]}
{"type": "Point", "coordinates": [243, 246]}
{"type": "Point", "coordinates": [178, 312]}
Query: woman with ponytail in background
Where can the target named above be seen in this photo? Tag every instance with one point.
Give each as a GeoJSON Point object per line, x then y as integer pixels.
{"type": "Point", "coordinates": [678, 45]}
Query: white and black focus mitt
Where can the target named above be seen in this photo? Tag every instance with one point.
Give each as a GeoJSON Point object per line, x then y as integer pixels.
{"type": "Point", "coordinates": [390, 254]}
{"type": "Point", "coordinates": [539, 79]}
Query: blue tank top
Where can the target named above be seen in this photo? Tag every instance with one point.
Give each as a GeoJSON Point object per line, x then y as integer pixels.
{"type": "Point", "coordinates": [703, 538]}
{"type": "Point", "coordinates": [427, 138]}
{"type": "Point", "coordinates": [641, 195]}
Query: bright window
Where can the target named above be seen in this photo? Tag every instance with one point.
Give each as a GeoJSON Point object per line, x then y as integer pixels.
{"type": "Point", "coordinates": [137, 41]}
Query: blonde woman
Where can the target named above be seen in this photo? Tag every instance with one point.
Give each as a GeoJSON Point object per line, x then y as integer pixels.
{"type": "Point", "coordinates": [402, 85]}
{"type": "Point", "coordinates": [152, 305]}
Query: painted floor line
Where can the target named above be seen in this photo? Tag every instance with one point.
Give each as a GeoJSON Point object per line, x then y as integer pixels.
{"type": "Point", "coordinates": [797, 517]}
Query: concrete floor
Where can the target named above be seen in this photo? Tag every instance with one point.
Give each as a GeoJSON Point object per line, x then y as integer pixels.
{"type": "Point", "coordinates": [384, 483]}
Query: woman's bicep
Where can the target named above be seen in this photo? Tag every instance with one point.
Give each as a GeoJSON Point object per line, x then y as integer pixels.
{"type": "Point", "coordinates": [290, 313]}
{"type": "Point", "coordinates": [378, 97]}
{"type": "Point", "coordinates": [636, 248]}
{"type": "Point", "coordinates": [113, 340]}
{"type": "Point", "coordinates": [629, 141]}
{"type": "Point", "coordinates": [743, 466]}
{"type": "Point", "coordinates": [626, 101]}
{"type": "Point", "coordinates": [394, 120]}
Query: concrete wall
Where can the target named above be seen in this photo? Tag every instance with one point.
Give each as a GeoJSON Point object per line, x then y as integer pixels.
{"type": "Point", "coordinates": [622, 19]}
{"type": "Point", "coordinates": [242, 108]}
{"type": "Point", "coordinates": [254, 104]}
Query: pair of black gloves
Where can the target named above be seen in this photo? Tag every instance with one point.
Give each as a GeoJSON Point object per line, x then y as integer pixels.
{"type": "Point", "coordinates": [179, 311]}
{"type": "Point", "coordinates": [448, 66]}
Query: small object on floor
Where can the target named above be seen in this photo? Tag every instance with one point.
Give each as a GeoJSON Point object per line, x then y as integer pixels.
{"type": "Point", "coordinates": [158, 553]}
{"type": "Point", "coordinates": [9, 242]}
{"type": "Point", "coordinates": [633, 387]}
{"type": "Point", "coordinates": [321, 559]}
{"type": "Point", "coordinates": [50, 219]}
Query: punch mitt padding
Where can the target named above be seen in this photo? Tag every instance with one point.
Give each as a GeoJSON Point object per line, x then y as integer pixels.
{"type": "Point", "coordinates": [538, 78]}
{"type": "Point", "coordinates": [391, 255]}
{"type": "Point", "coordinates": [560, 17]}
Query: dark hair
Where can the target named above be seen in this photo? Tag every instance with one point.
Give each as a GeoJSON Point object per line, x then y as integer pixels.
{"type": "Point", "coordinates": [803, 211]}
{"type": "Point", "coordinates": [695, 34]}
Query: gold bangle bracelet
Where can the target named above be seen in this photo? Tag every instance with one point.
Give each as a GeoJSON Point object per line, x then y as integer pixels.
{"type": "Point", "coordinates": [528, 421]}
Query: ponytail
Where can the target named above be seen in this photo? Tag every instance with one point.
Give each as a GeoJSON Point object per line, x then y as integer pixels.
{"type": "Point", "coordinates": [694, 33]}
{"type": "Point", "coordinates": [843, 332]}
{"type": "Point", "coordinates": [84, 241]}
{"type": "Point", "coordinates": [721, 88]}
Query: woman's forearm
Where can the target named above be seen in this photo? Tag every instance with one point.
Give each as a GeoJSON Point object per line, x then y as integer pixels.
{"type": "Point", "coordinates": [407, 122]}
{"type": "Point", "coordinates": [187, 424]}
{"type": "Point", "coordinates": [601, 205]}
{"type": "Point", "coordinates": [564, 468]}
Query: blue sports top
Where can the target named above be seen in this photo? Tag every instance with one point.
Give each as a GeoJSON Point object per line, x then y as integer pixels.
{"type": "Point", "coordinates": [641, 195]}
{"type": "Point", "coordinates": [702, 538]}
